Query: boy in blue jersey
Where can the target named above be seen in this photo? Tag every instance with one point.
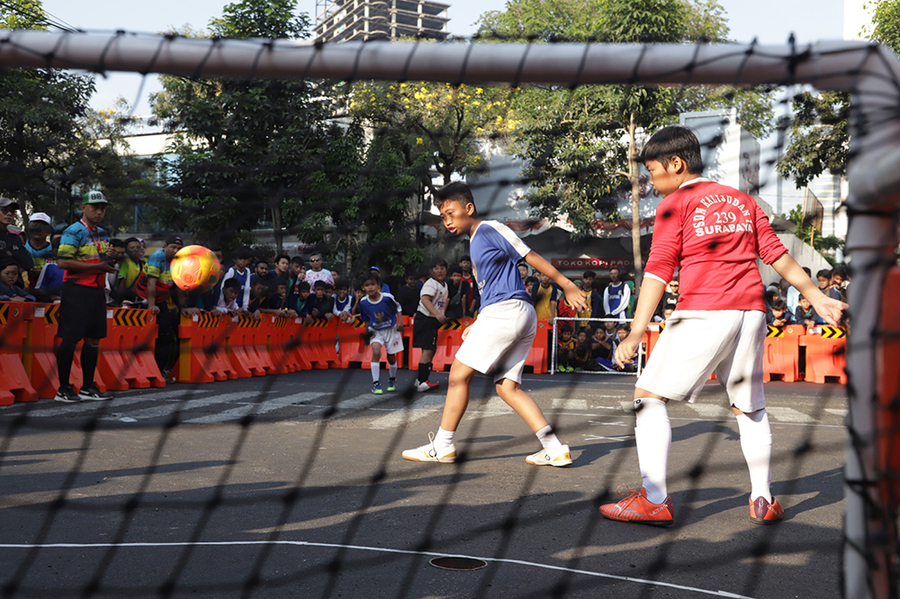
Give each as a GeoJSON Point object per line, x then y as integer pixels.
{"type": "Point", "coordinates": [501, 336]}
{"type": "Point", "coordinates": [381, 312]}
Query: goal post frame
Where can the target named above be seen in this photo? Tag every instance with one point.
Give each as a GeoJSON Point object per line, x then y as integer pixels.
{"type": "Point", "coordinates": [870, 72]}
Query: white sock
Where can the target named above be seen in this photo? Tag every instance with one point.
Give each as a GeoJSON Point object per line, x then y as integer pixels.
{"type": "Point", "coordinates": [392, 369]}
{"type": "Point", "coordinates": [443, 439]}
{"type": "Point", "coordinates": [653, 436]}
{"type": "Point", "coordinates": [376, 371]}
{"type": "Point", "coordinates": [756, 443]}
{"type": "Point", "coordinates": [548, 438]}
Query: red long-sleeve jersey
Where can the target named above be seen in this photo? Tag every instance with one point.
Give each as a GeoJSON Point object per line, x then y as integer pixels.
{"type": "Point", "coordinates": [714, 234]}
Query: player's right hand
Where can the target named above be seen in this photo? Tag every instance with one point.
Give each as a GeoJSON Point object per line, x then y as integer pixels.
{"type": "Point", "coordinates": [831, 310]}
{"type": "Point", "coordinates": [627, 350]}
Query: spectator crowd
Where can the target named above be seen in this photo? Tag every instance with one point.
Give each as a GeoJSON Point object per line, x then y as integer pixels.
{"type": "Point", "coordinates": [87, 272]}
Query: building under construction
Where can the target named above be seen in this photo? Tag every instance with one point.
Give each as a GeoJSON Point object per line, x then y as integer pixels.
{"type": "Point", "coordinates": [345, 20]}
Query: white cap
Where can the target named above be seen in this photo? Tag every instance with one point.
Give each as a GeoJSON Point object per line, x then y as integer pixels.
{"type": "Point", "coordinates": [40, 216]}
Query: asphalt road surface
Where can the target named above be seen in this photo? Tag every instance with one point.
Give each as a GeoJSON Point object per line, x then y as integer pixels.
{"type": "Point", "coordinates": [293, 486]}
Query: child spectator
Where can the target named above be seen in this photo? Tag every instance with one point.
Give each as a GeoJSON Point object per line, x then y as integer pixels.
{"type": "Point", "coordinates": [259, 293]}
{"type": "Point", "coordinates": [282, 268]}
{"type": "Point", "coordinates": [465, 267]}
{"type": "Point", "coordinates": [565, 311]}
{"type": "Point", "coordinates": [408, 294]}
{"type": "Point", "coordinates": [616, 296]}
{"type": "Point", "coordinates": [38, 245]}
{"type": "Point", "coordinates": [241, 272]}
{"type": "Point", "coordinates": [343, 301]}
{"type": "Point", "coordinates": [320, 307]}
{"type": "Point", "coordinates": [779, 316]}
{"type": "Point", "coordinates": [429, 317]}
{"type": "Point", "coordinates": [50, 282]}
{"type": "Point", "coordinates": [381, 313]}
{"type": "Point", "coordinates": [602, 348]}
{"type": "Point", "coordinates": [823, 278]}
{"type": "Point", "coordinates": [806, 314]}
{"type": "Point", "coordinates": [592, 299]}
{"type": "Point", "coordinates": [301, 304]}
{"type": "Point", "coordinates": [582, 359]}
{"type": "Point", "coordinates": [230, 291]}
{"type": "Point", "coordinates": [544, 296]}
{"type": "Point", "coordinates": [458, 293]}
{"type": "Point", "coordinates": [565, 348]}
{"type": "Point", "coordinates": [9, 291]}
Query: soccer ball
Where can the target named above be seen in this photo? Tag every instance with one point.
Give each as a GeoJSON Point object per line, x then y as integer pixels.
{"type": "Point", "coordinates": [195, 267]}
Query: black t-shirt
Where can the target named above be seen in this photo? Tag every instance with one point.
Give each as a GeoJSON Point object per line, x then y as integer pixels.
{"type": "Point", "coordinates": [409, 300]}
{"type": "Point", "coordinates": [457, 295]}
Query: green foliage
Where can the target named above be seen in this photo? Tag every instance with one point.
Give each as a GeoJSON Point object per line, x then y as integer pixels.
{"type": "Point", "coordinates": [434, 125]}
{"type": "Point", "coordinates": [257, 151]}
{"type": "Point", "coordinates": [820, 138]}
{"type": "Point", "coordinates": [574, 142]}
{"type": "Point", "coordinates": [885, 23]}
{"type": "Point", "coordinates": [807, 232]}
{"type": "Point", "coordinates": [22, 14]}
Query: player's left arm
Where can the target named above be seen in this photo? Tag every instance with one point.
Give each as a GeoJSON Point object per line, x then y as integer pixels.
{"type": "Point", "coordinates": [828, 308]}
{"type": "Point", "coordinates": [575, 296]}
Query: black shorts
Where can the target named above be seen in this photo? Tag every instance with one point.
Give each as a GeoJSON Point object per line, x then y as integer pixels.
{"type": "Point", "coordinates": [82, 313]}
{"type": "Point", "coordinates": [425, 331]}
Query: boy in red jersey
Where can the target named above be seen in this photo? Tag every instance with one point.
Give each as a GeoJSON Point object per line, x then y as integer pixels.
{"type": "Point", "coordinates": [714, 234]}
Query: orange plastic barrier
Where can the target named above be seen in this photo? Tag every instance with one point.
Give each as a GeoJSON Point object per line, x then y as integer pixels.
{"type": "Point", "coordinates": [449, 339]}
{"type": "Point", "coordinates": [248, 349]}
{"type": "Point", "coordinates": [540, 350]}
{"type": "Point", "coordinates": [14, 384]}
{"type": "Point", "coordinates": [202, 355]}
{"type": "Point", "coordinates": [317, 344]}
{"type": "Point", "coordinates": [651, 336]}
{"type": "Point", "coordinates": [354, 347]}
{"type": "Point", "coordinates": [280, 344]}
{"type": "Point", "coordinates": [127, 353]}
{"type": "Point", "coordinates": [40, 357]}
{"type": "Point", "coordinates": [887, 389]}
{"type": "Point", "coordinates": [781, 353]}
{"type": "Point", "coordinates": [825, 354]}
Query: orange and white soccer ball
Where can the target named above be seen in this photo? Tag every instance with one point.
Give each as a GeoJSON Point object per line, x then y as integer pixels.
{"type": "Point", "coordinates": [195, 267]}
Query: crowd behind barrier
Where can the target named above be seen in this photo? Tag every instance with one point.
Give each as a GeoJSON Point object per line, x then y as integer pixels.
{"type": "Point", "coordinates": [216, 347]}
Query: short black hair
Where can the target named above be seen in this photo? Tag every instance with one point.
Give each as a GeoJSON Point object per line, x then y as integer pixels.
{"type": "Point", "coordinates": [342, 284]}
{"type": "Point", "coordinates": [589, 273]}
{"type": "Point", "coordinates": [672, 141]}
{"type": "Point", "coordinates": [262, 261]}
{"type": "Point", "coordinates": [318, 284]}
{"type": "Point", "coordinates": [456, 191]}
{"type": "Point", "coordinates": [438, 262]}
{"type": "Point", "coordinates": [116, 242]}
{"type": "Point", "coordinates": [454, 269]}
{"type": "Point", "coordinates": [281, 257]}
{"type": "Point", "coordinates": [231, 284]}
{"type": "Point", "coordinates": [302, 286]}
{"type": "Point", "coordinates": [778, 304]}
{"type": "Point", "coordinates": [824, 273]}
{"type": "Point", "coordinates": [243, 253]}
{"type": "Point", "coordinates": [298, 260]}
{"type": "Point", "coordinates": [132, 240]}
{"type": "Point", "coordinates": [369, 276]}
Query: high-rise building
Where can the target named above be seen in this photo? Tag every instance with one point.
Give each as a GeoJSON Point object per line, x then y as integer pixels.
{"type": "Point", "coordinates": [345, 20]}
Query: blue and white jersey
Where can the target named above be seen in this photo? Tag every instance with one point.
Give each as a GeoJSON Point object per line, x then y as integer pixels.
{"type": "Point", "coordinates": [381, 314]}
{"type": "Point", "coordinates": [495, 252]}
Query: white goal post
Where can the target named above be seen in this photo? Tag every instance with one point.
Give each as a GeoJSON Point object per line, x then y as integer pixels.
{"type": "Point", "coordinates": [871, 73]}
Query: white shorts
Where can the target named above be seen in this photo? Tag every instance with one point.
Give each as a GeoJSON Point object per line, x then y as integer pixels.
{"type": "Point", "coordinates": [390, 338]}
{"type": "Point", "coordinates": [696, 343]}
{"type": "Point", "coordinates": [500, 339]}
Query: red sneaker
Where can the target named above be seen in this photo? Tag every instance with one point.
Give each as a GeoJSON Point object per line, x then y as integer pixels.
{"type": "Point", "coordinates": [635, 508]}
{"type": "Point", "coordinates": [763, 512]}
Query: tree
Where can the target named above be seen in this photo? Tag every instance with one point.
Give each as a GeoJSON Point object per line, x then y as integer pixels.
{"type": "Point", "coordinates": [807, 231]}
{"type": "Point", "coordinates": [243, 146]}
{"type": "Point", "coordinates": [580, 145]}
{"type": "Point", "coordinates": [434, 126]}
{"type": "Point", "coordinates": [820, 131]}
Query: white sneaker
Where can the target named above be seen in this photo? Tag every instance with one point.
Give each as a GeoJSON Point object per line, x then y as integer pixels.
{"type": "Point", "coordinates": [428, 453]}
{"type": "Point", "coordinates": [426, 386]}
{"type": "Point", "coordinates": [545, 457]}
